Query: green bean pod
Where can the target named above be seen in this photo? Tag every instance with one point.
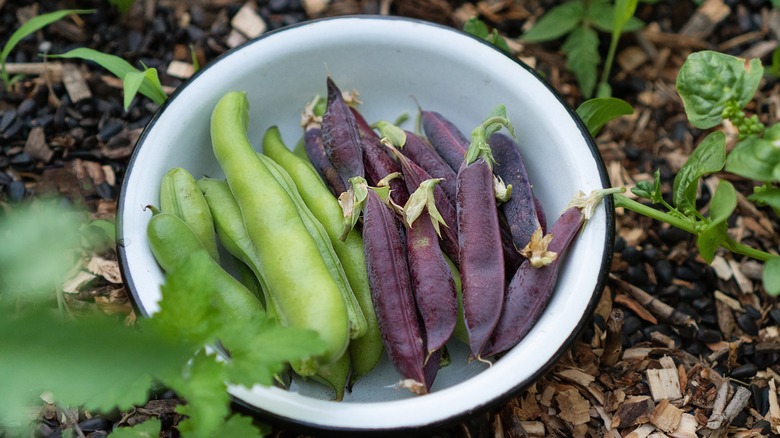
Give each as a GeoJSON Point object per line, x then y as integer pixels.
{"type": "Point", "coordinates": [231, 230]}
{"type": "Point", "coordinates": [180, 195]}
{"type": "Point", "coordinates": [335, 376]}
{"type": "Point", "coordinates": [366, 350]}
{"type": "Point", "coordinates": [297, 277]}
{"type": "Point", "coordinates": [172, 242]}
{"type": "Point", "coordinates": [357, 321]}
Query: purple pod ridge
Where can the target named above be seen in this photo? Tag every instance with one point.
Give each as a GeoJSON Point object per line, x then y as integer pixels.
{"type": "Point", "coordinates": [520, 209]}
{"type": "Point", "coordinates": [377, 162]}
{"type": "Point", "coordinates": [422, 153]}
{"type": "Point", "coordinates": [340, 136]}
{"type": "Point", "coordinates": [414, 175]}
{"type": "Point", "coordinates": [312, 143]}
{"type": "Point", "coordinates": [432, 283]}
{"type": "Point", "coordinates": [540, 215]}
{"type": "Point", "coordinates": [448, 141]}
{"type": "Point", "coordinates": [391, 291]}
{"type": "Point", "coordinates": [531, 288]}
{"type": "Point", "coordinates": [481, 255]}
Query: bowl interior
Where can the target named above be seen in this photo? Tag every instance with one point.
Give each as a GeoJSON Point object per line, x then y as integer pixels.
{"type": "Point", "coordinates": [394, 64]}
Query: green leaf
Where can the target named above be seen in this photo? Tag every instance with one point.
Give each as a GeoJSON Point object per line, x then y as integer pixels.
{"type": "Point", "coordinates": [122, 5]}
{"type": "Point", "coordinates": [770, 197]}
{"type": "Point", "coordinates": [39, 243]}
{"type": "Point", "coordinates": [395, 135]}
{"type": "Point", "coordinates": [624, 11]}
{"type": "Point", "coordinates": [709, 157]}
{"type": "Point", "coordinates": [723, 202]}
{"type": "Point", "coordinates": [582, 57]}
{"type": "Point", "coordinates": [93, 361]}
{"type": "Point", "coordinates": [260, 348]}
{"type": "Point", "coordinates": [208, 403]}
{"type": "Point", "coordinates": [240, 426]}
{"type": "Point", "coordinates": [497, 40]}
{"type": "Point", "coordinates": [754, 158]}
{"type": "Point", "coordinates": [476, 27]}
{"type": "Point", "coordinates": [198, 321]}
{"type": "Point", "coordinates": [602, 16]}
{"type": "Point", "coordinates": [771, 276]}
{"type": "Point", "coordinates": [556, 23]}
{"type": "Point", "coordinates": [595, 113]}
{"type": "Point", "coordinates": [150, 87]}
{"type": "Point", "coordinates": [33, 25]}
{"type": "Point", "coordinates": [131, 83]}
{"type": "Point", "coordinates": [148, 429]}
{"type": "Point", "coordinates": [709, 240]}
{"type": "Point", "coordinates": [708, 79]}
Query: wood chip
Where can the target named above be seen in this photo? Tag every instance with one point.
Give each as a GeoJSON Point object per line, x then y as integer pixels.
{"type": "Point", "coordinates": [664, 383]}
{"type": "Point", "coordinates": [51, 69]}
{"type": "Point", "coordinates": [774, 407]}
{"type": "Point", "coordinates": [631, 58]}
{"type": "Point", "coordinates": [687, 427]}
{"type": "Point", "coordinates": [314, 8]}
{"type": "Point", "coordinates": [707, 16]}
{"type": "Point", "coordinates": [666, 416]}
{"type": "Point", "coordinates": [235, 38]}
{"type": "Point", "coordinates": [107, 269]}
{"type": "Point", "coordinates": [74, 83]}
{"type": "Point", "coordinates": [36, 146]}
{"type": "Point", "coordinates": [633, 412]}
{"type": "Point", "coordinates": [574, 408]}
{"type": "Point", "coordinates": [744, 283]}
{"type": "Point", "coordinates": [533, 428]}
{"type": "Point", "coordinates": [576, 376]}
{"type": "Point", "coordinates": [636, 308]}
{"type": "Point", "coordinates": [78, 281]}
{"type": "Point", "coordinates": [181, 70]}
{"type": "Point", "coordinates": [248, 21]}
{"type": "Point", "coordinates": [642, 431]}
{"type": "Point", "coordinates": [663, 310]}
{"type": "Point", "coordinates": [547, 396]}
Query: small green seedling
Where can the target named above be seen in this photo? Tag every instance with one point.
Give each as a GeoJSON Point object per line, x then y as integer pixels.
{"type": "Point", "coordinates": [715, 87]}
{"type": "Point", "coordinates": [30, 27]}
{"type": "Point", "coordinates": [579, 19]}
{"type": "Point", "coordinates": [135, 81]}
{"type": "Point", "coordinates": [595, 113]}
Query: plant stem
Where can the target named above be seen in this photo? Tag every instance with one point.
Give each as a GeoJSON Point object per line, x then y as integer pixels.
{"type": "Point", "coordinates": [729, 243]}
{"type": "Point", "coordinates": [610, 57]}
{"type": "Point", "coordinates": [625, 202]}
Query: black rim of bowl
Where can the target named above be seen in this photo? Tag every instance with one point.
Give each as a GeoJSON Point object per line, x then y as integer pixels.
{"type": "Point", "coordinates": [460, 416]}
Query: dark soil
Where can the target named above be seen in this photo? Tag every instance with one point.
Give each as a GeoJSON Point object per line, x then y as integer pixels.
{"type": "Point", "coordinates": [665, 316]}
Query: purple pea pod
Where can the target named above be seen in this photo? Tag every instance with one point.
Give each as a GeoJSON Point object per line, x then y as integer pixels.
{"type": "Point", "coordinates": [445, 138]}
{"type": "Point", "coordinates": [315, 150]}
{"type": "Point", "coordinates": [481, 255]}
{"type": "Point", "coordinates": [432, 282]}
{"type": "Point", "coordinates": [384, 244]}
{"type": "Point", "coordinates": [340, 136]}
{"type": "Point", "coordinates": [520, 209]}
{"type": "Point", "coordinates": [414, 175]}
{"type": "Point", "coordinates": [423, 154]}
{"type": "Point", "coordinates": [533, 284]}
{"type": "Point", "coordinates": [377, 162]}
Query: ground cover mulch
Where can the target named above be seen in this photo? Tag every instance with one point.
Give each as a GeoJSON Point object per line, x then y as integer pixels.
{"type": "Point", "coordinates": [676, 347]}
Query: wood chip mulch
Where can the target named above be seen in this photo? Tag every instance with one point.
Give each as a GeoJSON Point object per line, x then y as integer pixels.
{"type": "Point", "coordinates": [676, 347]}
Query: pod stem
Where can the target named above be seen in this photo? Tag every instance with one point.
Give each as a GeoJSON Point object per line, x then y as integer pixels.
{"type": "Point", "coordinates": [479, 147]}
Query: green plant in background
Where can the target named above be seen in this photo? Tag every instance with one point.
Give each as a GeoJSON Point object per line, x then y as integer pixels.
{"type": "Point", "coordinates": [715, 87]}
{"type": "Point", "coordinates": [122, 5]}
{"type": "Point", "coordinates": [30, 27]}
{"type": "Point", "coordinates": [578, 20]}
{"type": "Point", "coordinates": [96, 363]}
{"type": "Point", "coordinates": [479, 29]}
{"type": "Point", "coordinates": [146, 82]}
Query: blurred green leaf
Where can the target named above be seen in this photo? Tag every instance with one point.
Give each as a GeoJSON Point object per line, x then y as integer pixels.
{"type": "Point", "coordinates": [595, 113]}
{"type": "Point", "coordinates": [148, 429]}
{"type": "Point", "coordinates": [771, 276]}
{"type": "Point", "coordinates": [556, 22]}
{"type": "Point", "coordinates": [582, 57]}
{"type": "Point", "coordinates": [30, 27]}
{"type": "Point", "coordinates": [754, 158]}
{"type": "Point", "coordinates": [122, 5]}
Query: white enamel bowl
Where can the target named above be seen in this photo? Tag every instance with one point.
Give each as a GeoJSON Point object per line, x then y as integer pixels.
{"type": "Point", "coordinates": [394, 63]}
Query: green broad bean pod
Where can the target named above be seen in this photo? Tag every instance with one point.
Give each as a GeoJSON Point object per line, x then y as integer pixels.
{"type": "Point", "coordinates": [297, 277]}
{"type": "Point", "coordinates": [180, 195]}
{"type": "Point", "coordinates": [231, 231]}
{"type": "Point", "coordinates": [366, 350]}
{"type": "Point", "coordinates": [357, 321]}
{"type": "Point", "coordinates": [172, 242]}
